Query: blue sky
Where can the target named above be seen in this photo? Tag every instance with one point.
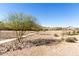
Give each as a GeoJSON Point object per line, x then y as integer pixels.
{"type": "Point", "coordinates": [54, 14]}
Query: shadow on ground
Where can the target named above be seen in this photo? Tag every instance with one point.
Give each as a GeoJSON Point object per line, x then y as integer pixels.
{"type": "Point", "coordinates": [39, 42]}
{"type": "Point", "coordinates": [15, 45]}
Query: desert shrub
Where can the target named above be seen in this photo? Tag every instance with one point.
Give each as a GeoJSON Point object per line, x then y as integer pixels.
{"type": "Point", "coordinates": [71, 39]}
{"type": "Point", "coordinates": [73, 33]}
{"type": "Point", "coordinates": [2, 25]}
{"type": "Point", "coordinates": [62, 39]}
{"type": "Point", "coordinates": [78, 31]}
{"type": "Point", "coordinates": [59, 28]}
{"type": "Point", "coordinates": [69, 33]}
{"type": "Point", "coordinates": [56, 35]}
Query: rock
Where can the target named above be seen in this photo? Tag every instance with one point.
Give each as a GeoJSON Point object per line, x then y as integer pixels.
{"type": "Point", "coordinates": [3, 50]}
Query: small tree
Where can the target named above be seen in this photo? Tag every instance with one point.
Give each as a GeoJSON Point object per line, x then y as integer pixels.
{"type": "Point", "coordinates": [20, 23]}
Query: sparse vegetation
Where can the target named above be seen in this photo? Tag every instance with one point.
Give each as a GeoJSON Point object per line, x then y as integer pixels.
{"type": "Point", "coordinates": [56, 35]}
{"type": "Point", "coordinates": [39, 42]}
{"type": "Point", "coordinates": [73, 32]}
{"type": "Point", "coordinates": [15, 45]}
{"type": "Point", "coordinates": [20, 23]}
{"type": "Point", "coordinates": [71, 39]}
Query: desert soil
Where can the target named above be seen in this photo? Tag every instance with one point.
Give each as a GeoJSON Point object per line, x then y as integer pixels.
{"type": "Point", "coordinates": [9, 34]}
{"type": "Point", "coordinates": [61, 49]}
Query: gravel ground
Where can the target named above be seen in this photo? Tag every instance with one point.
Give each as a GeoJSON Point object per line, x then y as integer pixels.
{"type": "Point", "coordinates": [61, 49]}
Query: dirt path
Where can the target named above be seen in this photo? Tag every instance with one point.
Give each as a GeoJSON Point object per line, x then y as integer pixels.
{"type": "Point", "coordinates": [41, 34]}
{"type": "Point", "coordinates": [8, 40]}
